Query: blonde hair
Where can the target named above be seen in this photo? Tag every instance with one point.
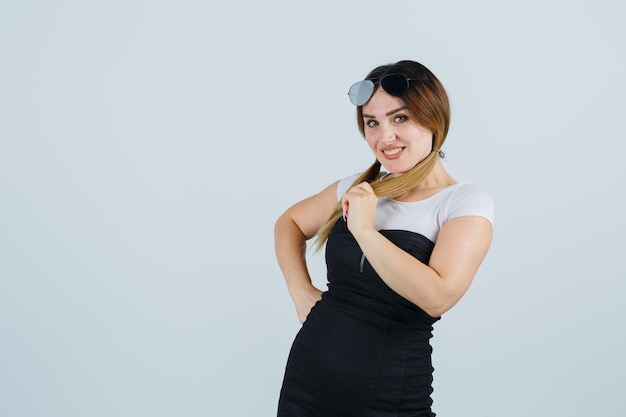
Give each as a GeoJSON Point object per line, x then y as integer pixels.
{"type": "Point", "coordinates": [427, 102]}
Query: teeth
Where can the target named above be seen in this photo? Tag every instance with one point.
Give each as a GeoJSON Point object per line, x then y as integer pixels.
{"type": "Point", "coordinates": [392, 152]}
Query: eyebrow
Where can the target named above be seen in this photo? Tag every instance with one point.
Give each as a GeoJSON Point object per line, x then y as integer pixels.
{"type": "Point", "coordinates": [388, 114]}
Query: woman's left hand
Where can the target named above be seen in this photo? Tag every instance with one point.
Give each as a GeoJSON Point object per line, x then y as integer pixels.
{"type": "Point", "coordinates": [359, 207]}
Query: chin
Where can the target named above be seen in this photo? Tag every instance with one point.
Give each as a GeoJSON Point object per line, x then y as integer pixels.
{"type": "Point", "coordinates": [395, 169]}
{"type": "Point", "coordinates": [398, 166]}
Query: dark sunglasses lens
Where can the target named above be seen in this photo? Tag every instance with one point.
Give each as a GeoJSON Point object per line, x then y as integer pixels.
{"type": "Point", "coordinates": [361, 92]}
{"type": "Point", "coordinates": [395, 84]}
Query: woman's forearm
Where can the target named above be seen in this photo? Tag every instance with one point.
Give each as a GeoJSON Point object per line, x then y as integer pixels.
{"type": "Point", "coordinates": [436, 287]}
{"type": "Point", "coordinates": [290, 247]}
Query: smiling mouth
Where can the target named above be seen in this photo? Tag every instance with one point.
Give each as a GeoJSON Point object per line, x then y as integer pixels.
{"type": "Point", "coordinates": [394, 151]}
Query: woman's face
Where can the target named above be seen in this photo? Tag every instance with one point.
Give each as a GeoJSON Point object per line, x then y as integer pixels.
{"type": "Point", "coordinates": [398, 141]}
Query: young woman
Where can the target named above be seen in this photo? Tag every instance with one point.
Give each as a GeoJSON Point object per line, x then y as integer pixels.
{"type": "Point", "coordinates": [402, 247]}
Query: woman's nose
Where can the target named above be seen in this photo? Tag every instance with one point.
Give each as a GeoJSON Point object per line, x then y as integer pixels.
{"type": "Point", "coordinates": [388, 134]}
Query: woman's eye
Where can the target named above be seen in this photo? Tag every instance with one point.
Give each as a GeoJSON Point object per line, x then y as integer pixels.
{"type": "Point", "coordinates": [371, 123]}
{"type": "Point", "coordinates": [400, 118]}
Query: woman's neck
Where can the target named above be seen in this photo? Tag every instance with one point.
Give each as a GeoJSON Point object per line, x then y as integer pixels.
{"type": "Point", "coordinates": [437, 180]}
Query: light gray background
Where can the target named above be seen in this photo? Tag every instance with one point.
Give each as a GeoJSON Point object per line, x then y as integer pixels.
{"type": "Point", "coordinates": [146, 149]}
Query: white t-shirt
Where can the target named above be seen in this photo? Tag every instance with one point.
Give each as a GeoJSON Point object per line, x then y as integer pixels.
{"type": "Point", "coordinates": [427, 216]}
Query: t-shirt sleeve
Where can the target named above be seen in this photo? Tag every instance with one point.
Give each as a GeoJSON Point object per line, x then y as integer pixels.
{"type": "Point", "coordinates": [344, 185]}
{"type": "Point", "coordinates": [471, 200]}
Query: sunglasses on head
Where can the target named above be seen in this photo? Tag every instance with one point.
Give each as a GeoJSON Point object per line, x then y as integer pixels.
{"type": "Point", "coordinates": [395, 84]}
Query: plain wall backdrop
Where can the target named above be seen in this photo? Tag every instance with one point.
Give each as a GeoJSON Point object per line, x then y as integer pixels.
{"type": "Point", "coordinates": [146, 149]}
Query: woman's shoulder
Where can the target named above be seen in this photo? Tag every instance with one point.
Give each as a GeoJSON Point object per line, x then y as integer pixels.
{"type": "Point", "coordinates": [345, 183]}
{"type": "Point", "coordinates": [469, 188]}
{"type": "Point", "coordinates": [469, 199]}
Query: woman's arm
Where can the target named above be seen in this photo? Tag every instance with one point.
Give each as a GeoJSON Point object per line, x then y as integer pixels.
{"type": "Point", "coordinates": [461, 246]}
{"type": "Point", "coordinates": [292, 229]}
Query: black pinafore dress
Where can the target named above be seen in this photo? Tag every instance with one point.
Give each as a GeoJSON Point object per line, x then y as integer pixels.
{"type": "Point", "coordinates": [364, 351]}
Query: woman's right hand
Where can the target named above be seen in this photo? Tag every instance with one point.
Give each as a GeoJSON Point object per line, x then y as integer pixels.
{"type": "Point", "coordinates": [304, 301]}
